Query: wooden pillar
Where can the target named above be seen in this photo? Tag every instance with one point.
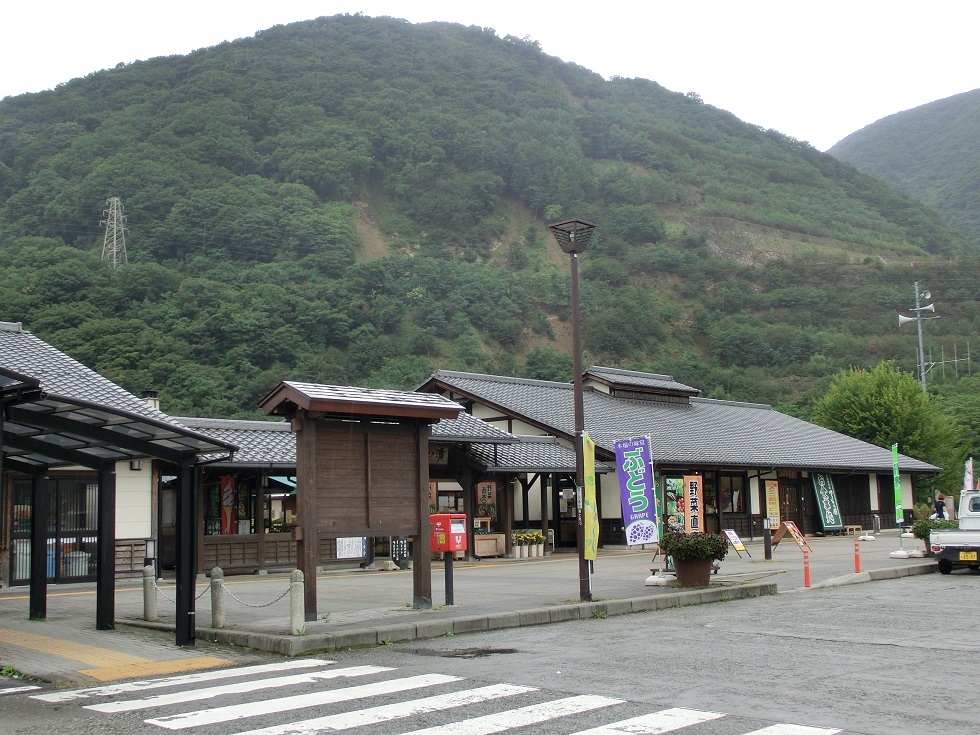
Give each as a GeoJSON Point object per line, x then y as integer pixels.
{"type": "Point", "coordinates": [186, 561]}
{"type": "Point", "coordinates": [258, 518]}
{"type": "Point", "coordinates": [305, 533]}
{"type": "Point", "coordinates": [105, 586]}
{"type": "Point", "coordinates": [39, 547]}
{"type": "Point", "coordinates": [421, 552]}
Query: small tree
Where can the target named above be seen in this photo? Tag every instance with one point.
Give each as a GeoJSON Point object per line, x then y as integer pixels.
{"type": "Point", "coordinates": [885, 406]}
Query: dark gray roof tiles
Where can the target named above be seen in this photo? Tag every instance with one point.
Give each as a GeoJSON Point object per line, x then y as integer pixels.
{"type": "Point", "coordinates": [634, 378]}
{"type": "Point", "coordinates": [273, 444]}
{"type": "Point", "coordinates": [704, 432]}
{"type": "Point", "coordinates": [64, 376]}
{"type": "Point", "coordinates": [467, 428]}
{"type": "Point", "coordinates": [529, 456]}
{"type": "Point", "coordinates": [264, 443]}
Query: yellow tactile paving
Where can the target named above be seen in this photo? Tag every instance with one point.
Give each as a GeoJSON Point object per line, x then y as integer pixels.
{"type": "Point", "coordinates": [156, 668]}
{"type": "Point", "coordinates": [107, 664]}
{"type": "Point", "coordinates": [81, 652]}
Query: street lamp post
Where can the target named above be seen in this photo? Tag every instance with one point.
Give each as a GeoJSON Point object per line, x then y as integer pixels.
{"type": "Point", "coordinates": [573, 235]}
{"type": "Point", "coordinates": [918, 323]}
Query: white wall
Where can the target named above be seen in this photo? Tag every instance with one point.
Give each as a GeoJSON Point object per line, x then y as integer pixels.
{"type": "Point", "coordinates": [134, 501]}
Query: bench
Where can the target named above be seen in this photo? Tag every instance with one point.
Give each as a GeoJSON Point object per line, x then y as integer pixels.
{"type": "Point", "coordinates": [853, 530]}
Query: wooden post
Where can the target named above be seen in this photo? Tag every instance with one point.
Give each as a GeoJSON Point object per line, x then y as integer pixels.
{"type": "Point", "coordinates": [305, 532]}
{"type": "Point", "coordinates": [421, 554]}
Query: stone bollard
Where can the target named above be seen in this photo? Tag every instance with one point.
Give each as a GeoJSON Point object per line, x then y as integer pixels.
{"type": "Point", "coordinates": [297, 602]}
{"type": "Point", "coordinates": [217, 599]}
{"type": "Point", "coordinates": [150, 594]}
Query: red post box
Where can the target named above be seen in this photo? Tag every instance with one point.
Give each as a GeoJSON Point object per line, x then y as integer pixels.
{"type": "Point", "coordinates": [448, 531]}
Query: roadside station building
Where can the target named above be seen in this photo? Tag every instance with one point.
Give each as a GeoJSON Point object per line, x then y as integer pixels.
{"type": "Point", "coordinates": [746, 453]}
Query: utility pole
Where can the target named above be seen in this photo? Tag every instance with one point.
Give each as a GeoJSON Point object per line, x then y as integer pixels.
{"type": "Point", "coordinates": [923, 366]}
{"type": "Point", "coordinates": [114, 245]}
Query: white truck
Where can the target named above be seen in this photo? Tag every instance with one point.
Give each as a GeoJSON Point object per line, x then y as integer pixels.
{"type": "Point", "coordinates": [959, 547]}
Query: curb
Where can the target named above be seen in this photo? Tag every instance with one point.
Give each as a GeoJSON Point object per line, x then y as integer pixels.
{"type": "Point", "coordinates": [875, 575]}
{"type": "Point", "coordinates": [287, 645]}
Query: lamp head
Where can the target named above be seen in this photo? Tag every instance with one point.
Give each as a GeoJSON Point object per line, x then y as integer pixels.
{"type": "Point", "coordinates": [572, 235]}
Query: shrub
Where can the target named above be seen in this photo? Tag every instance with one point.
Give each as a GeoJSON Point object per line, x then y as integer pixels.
{"type": "Point", "coordinates": [693, 546]}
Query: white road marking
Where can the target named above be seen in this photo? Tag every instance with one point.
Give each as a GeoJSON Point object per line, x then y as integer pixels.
{"type": "Point", "coordinates": [111, 690]}
{"type": "Point", "coordinates": [522, 717]}
{"type": "Point", "coordinates": [15, 690]}
{"type": "Point", "coordinates": [283, 704]}
{"type": "Point", "coordinates": [666, 720]}
{"type": "Point", "coordinates": [242, 687]}
{"type": "Point", "coordinates": [390, 712]}
{"type": "Point", "coordinates": [795, 730]}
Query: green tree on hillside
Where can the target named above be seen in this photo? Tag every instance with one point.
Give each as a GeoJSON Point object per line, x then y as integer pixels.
{"type": "Point", "coordinates": [885, 406]}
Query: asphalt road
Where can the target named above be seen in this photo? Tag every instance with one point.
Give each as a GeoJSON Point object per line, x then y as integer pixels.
{"type": "Point", "coordinates": [886, 657]}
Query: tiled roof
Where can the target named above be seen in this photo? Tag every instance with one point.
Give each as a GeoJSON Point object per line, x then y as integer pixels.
{"type": "Point", "coordinates": [81, 417]}
{"type": "Point", "coordinates": [467, 428]}
{"type": "Point", "coordinates": [529, 456]}
{"type": "Point", "coordinates": [273, 444]}
{"type": "Point", "coordinates": [352, 400]}
{"type": "Point", "coordinates": [702, 433]}
{"type": "Point", "coordinates": [62, 375]}
{"type": "Point", "coordinates": [267, 443]}
{"type": "Point", "coordinates": [634, 378]}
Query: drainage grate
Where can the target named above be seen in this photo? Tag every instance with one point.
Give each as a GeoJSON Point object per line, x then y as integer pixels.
{"type": "Point", "coordinates": [464, 652]}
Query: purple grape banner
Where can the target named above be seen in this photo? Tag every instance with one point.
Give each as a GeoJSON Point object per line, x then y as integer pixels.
{"type": "Point", "coordinates": [634, 468]}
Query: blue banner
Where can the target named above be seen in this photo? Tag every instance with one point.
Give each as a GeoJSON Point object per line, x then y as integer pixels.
{"type": "Point", "coordinates": [634, 468]}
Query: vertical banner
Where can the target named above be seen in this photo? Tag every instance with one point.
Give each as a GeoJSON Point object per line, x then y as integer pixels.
{"type": "Point", "coordinates": [591, 512]}
{"type": "Point", "coordinates": [968, 476]}
{"type": "Point", "coordinates": [637, 490]}
{"type": "Point", "coordinates": [827, 508]}
{"type": "Point", "coordinates": [772, 503]}
{"type": "Point", "coordinates": [228, 505]}
{"type": "Point", "coordinates": [899, 512]}
{"type": "Point", "coordinates": [692, 498]}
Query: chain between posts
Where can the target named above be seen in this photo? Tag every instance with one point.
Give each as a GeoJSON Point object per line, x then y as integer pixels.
{"type": "Point", "coordinates": [246, 604]}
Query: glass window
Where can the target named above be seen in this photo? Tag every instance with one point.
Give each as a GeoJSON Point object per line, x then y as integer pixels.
{"type": "Point", "coordinates": [732, 493]}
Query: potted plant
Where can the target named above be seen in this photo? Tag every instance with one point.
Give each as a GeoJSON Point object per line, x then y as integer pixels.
{"type": "Point", "coordinates": [693, 554]}
{"type": "Point", "coordinates": [923, 527]}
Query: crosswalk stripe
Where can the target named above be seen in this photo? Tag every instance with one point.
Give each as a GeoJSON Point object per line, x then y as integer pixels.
{"type": "Point", "coordinates": [530, 715]}
{"type": "Point", "coordinates": [111, 690]}
{"type": "Point", "coordinates": [283, 704]}
{"type": "Point", "coordinates": [15, 690]}
{"type": "Point", "coordinates": [389, 712]}
{"type": "Point", "coordinates": [666, 720]}
{"type": "Point", "coordinates": [195, 695]}
{"type": "Point", "coordinates": [795, 730]}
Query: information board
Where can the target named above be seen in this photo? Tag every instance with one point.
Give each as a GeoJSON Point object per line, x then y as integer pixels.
{"type": "Point", "coordinates": [790, 527]}
{"type": "Point", "coordinates": [736, 542]}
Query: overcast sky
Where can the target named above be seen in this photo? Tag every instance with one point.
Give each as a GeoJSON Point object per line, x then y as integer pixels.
{"type": "Point", "coordinates": [815, 70]}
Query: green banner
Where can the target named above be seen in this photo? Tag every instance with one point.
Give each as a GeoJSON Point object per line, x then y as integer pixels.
{"type": "Point", "coordinates": [823, 487]}
{"type": "Point", "coordinates": [899, 511]}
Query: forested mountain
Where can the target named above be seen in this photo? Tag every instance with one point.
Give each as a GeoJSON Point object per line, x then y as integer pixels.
{"type": "Point", "coordinates": [361, 201]}
{"type": "Point", "coordinates": [930, 152]}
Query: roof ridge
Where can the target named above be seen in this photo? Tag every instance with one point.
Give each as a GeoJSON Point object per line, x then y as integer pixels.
{"type": "Point", "coordinates": [500, 378]}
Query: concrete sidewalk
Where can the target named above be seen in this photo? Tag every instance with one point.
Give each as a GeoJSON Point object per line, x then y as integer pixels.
{"type": "Point", "coordinates": [361, 607]}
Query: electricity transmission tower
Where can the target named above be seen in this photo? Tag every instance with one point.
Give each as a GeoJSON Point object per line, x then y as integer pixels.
{"type": "Point", "coordinates": [114, 245]}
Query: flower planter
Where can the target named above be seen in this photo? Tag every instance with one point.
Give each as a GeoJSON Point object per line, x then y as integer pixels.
{"type": "Point", "coordinates": [696, 573]}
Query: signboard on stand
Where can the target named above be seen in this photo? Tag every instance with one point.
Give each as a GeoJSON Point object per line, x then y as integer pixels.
{"type": "Point", "coordinates": [790, 528]}
{"type": "Point", "coordinates": [772, 503]}
{"type": "Point", "coordinates": [736, 542]}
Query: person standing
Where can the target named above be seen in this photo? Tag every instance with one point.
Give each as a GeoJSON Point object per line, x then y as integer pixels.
{"type": "Point", "coordinates": [941, 513]}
